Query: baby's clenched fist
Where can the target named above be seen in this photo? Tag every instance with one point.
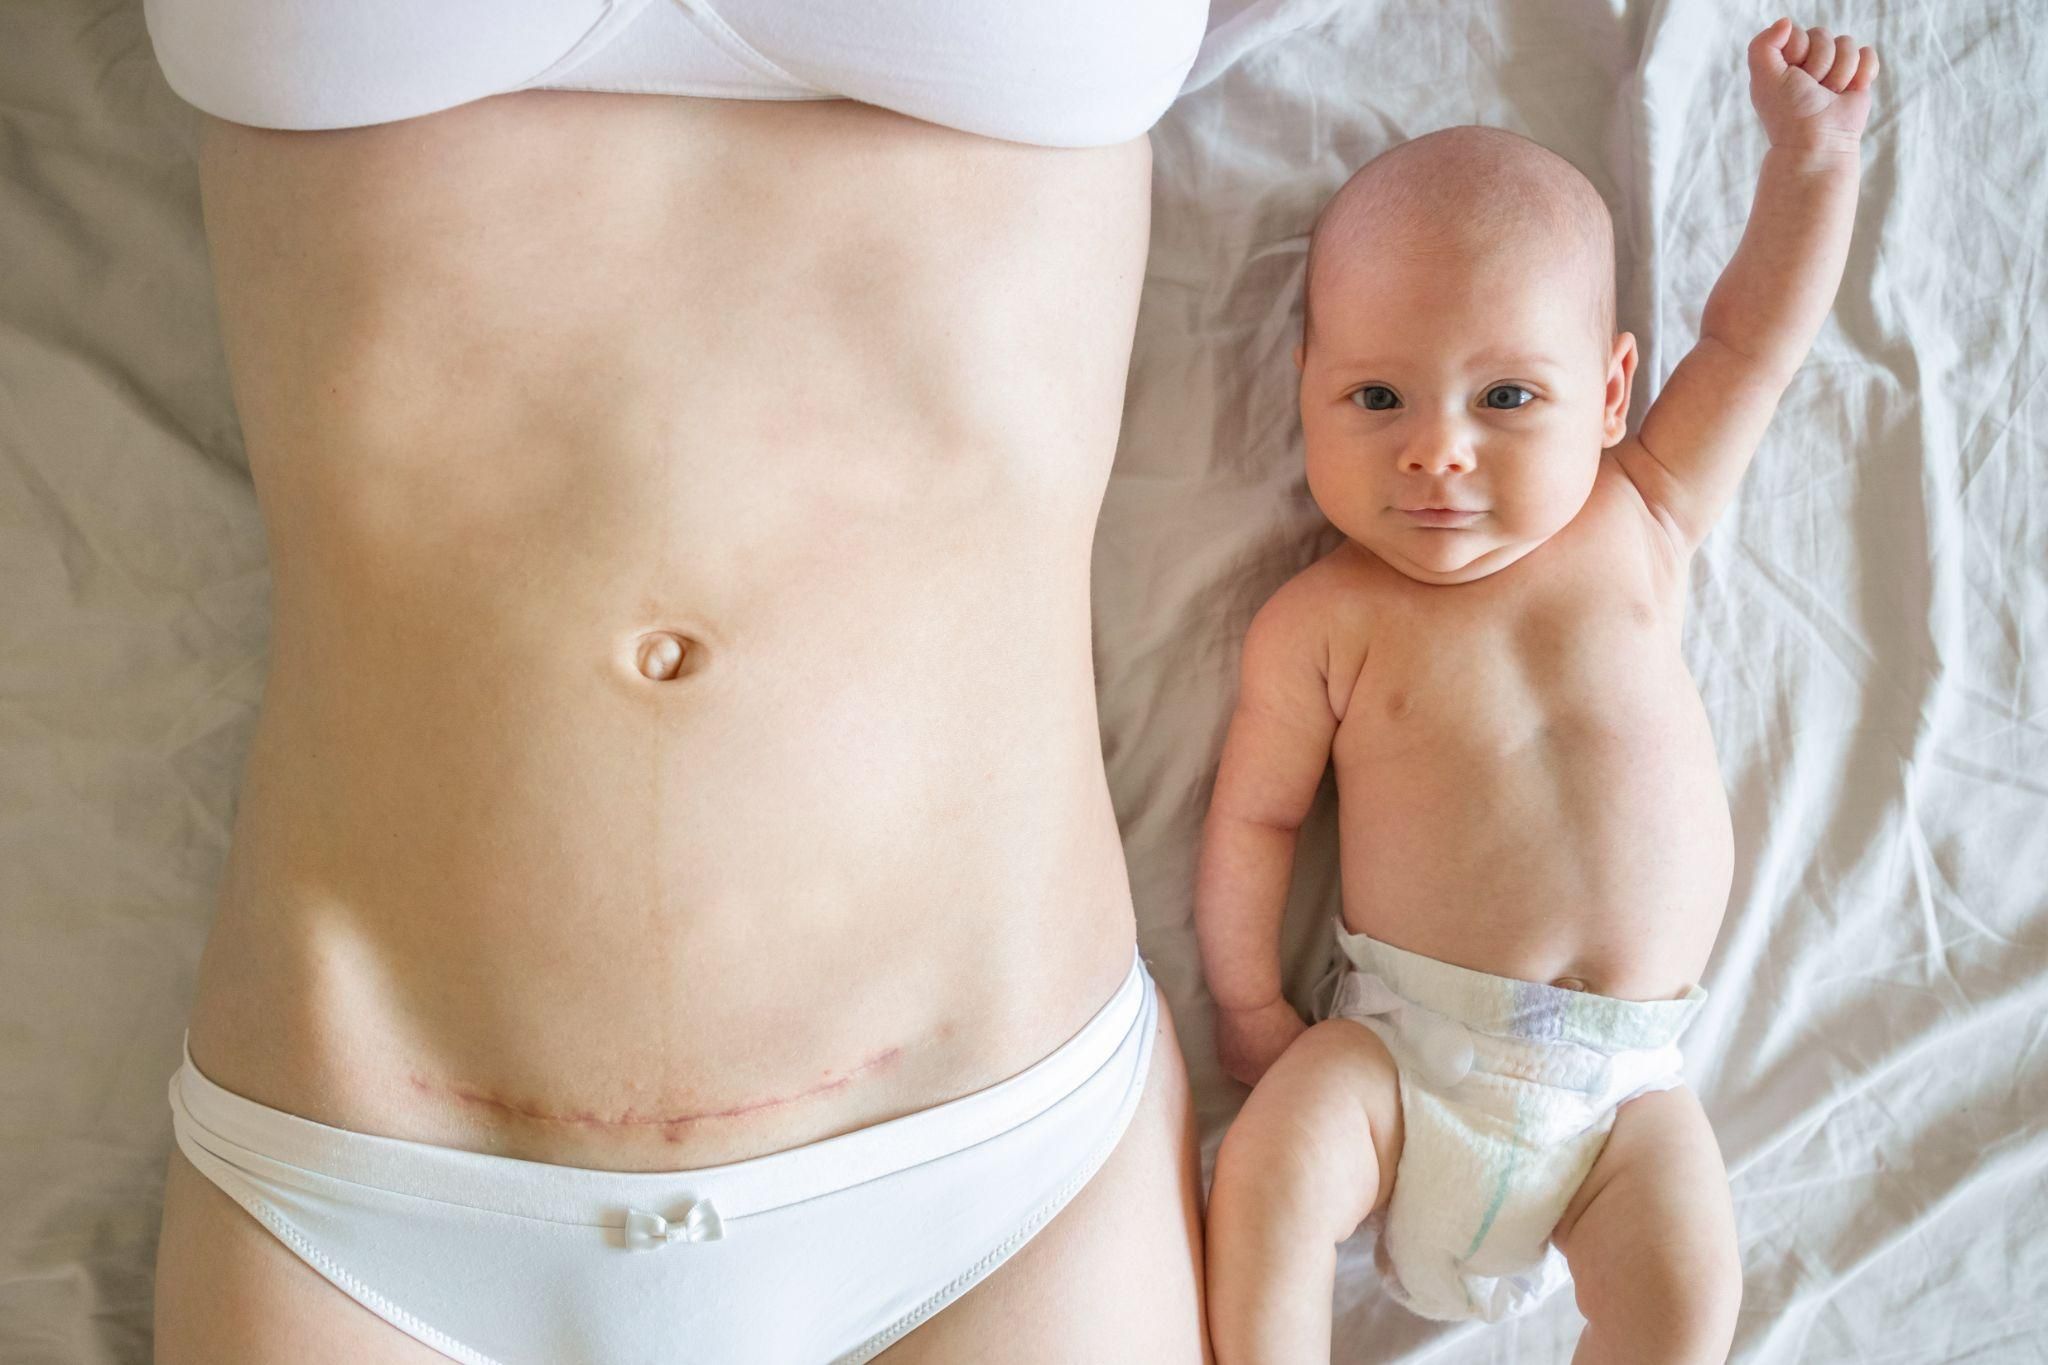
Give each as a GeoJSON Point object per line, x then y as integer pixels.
{"type": "Point", "coordinates": [1810, 88]}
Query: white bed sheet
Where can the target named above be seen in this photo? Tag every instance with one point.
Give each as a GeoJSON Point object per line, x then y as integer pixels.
{"type": "Point", "coordinates": [1869, 627]}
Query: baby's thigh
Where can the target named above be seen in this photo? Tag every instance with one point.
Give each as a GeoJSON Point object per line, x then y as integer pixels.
{"type": "Point", "coordinates": [1650, 1235]}
{"type": "Point", "coordinates": [1320, 1134]}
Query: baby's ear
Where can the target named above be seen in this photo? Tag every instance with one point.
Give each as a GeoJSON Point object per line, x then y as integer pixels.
{"type": "Point", "coordinates": [1621, 375]}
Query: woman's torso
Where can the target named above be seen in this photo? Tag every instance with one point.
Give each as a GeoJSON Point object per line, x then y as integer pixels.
{"type": "Point", "coordinates": [1527, 783]}
{"type": "Point", "coordinates": [828, 392]}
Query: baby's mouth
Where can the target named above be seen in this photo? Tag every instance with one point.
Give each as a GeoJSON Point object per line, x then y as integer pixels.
{"type": "Point", "coordinates": [1441, 518]}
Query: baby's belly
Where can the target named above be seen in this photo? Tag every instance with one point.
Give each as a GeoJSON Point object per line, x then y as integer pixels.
{"type": "Point", "coordinates": [507, 875]}
{"type": "Point", "coordinates": [1594, 850]}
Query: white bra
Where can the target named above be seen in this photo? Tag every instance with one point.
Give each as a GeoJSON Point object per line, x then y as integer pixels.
{"type": "Point", "coordinates": [1063, 73]}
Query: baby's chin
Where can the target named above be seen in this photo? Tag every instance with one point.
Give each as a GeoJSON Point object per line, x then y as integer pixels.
{"type": "Point", "coordinates": [1445, 558]}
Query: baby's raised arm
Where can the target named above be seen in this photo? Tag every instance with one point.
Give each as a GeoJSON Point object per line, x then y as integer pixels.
{"type": "Point", "coordinates": [1812, 92]}
{"type": "Point", "coordinates": [1273, 760]}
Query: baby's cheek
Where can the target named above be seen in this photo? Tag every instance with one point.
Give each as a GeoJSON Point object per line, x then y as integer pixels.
{"type": "Point", "coordinates": [1324, 479]}
{"type": "Point", "coordinates": [1341, 485]}
{"type": "Point", "coordinates": [1552, 492]}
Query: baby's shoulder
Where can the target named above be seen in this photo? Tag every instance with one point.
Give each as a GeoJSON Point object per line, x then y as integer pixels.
{"type": "Point", "coordinates": [1338, 588]}
{"type": "Point", "coordinates": [1322, 611]}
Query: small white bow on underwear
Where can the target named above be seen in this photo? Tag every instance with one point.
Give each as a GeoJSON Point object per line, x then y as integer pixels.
{"type": "Point", "coordinates": [649, 1231]}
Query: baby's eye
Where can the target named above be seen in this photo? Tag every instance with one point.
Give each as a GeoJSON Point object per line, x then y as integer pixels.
{"type": "Point", "coordinates": [1376, 398]}
{"type": "Point", "coordinates": [1508, 396]}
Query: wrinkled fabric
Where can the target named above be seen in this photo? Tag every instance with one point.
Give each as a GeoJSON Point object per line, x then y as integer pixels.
{"type": "Point", "coordinates": [1868, 624]}
{"type": "Point", "coordinates": [1869, 627]}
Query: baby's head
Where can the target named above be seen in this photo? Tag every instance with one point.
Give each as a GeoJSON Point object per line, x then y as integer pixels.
{"type": "Point", "coordinates": [1460, 373]}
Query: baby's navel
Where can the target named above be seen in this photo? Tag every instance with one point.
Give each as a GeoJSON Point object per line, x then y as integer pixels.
{"type": "Point", "coordinates": [1569, 983]}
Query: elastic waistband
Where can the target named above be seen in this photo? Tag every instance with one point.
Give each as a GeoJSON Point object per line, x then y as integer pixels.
{"type": "Point", "coordinates": [1511, 1008]}
{"type": "Point", "coordinates": [222, 1122]}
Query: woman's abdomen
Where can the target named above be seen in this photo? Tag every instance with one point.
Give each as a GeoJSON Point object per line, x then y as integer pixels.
{"type": "Point", "coordinates": [491, 883]}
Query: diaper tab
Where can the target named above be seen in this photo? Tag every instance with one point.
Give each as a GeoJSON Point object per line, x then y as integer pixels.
{"type": "Point", "coordinates": [1441, 1049]}
{"type": "Point", "coordinates": [1511, 1008]}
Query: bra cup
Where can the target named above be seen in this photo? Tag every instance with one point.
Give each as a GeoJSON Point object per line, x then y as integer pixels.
{"type": "Point", "coordinates": [345, 65]}
{"type": "Point", "coordinates": [1063, 73]}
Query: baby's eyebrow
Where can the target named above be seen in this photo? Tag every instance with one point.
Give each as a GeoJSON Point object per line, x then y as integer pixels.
{"type": "Point", "coordinates": [1525, 361]}
{"type": "Point", "coordinates": [1522, 360]}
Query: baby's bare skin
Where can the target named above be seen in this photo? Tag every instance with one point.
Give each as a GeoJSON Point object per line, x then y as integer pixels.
{"type": "Point", "coordinates": [1526, 782]}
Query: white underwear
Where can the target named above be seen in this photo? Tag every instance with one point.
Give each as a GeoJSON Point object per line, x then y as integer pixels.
{"type": "Point", "coordinates": [1063, 73]}
{"type": "Point", "coordinates": [828, 1252]}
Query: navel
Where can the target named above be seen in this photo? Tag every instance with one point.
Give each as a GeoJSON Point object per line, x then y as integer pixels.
{"type": "Point", "coordinates": [666, 655]}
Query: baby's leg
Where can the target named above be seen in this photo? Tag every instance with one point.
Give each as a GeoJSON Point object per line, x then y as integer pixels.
{"type": "Point", "coordinates": [1650, 1237]}
{"type": "Point", "coordinates": [1298, 1172]}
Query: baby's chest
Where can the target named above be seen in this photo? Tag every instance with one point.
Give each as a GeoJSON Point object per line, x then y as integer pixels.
{"type": "Point", "coordinates": [1581, 655]}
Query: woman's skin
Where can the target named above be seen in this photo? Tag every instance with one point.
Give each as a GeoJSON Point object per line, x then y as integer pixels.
{"type": "Point", "coordinates": [536, 390]}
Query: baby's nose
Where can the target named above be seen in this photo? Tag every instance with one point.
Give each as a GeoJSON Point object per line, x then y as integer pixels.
{"type": "Point", "coordinates": [1436, 457]}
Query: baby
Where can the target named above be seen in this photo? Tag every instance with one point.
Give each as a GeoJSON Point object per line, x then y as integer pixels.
{"type": "Point", "coordinates": [1535, 844]}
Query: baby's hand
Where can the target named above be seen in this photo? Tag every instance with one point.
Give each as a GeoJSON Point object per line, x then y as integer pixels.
{"type": "Point", "coordinates": [1812, 91]}
{"type": "Point", "coordinates": [1249, 1041]}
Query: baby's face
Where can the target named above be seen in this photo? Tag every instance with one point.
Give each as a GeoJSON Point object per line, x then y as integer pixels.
{"type": "Point", "coordinates": [1455, 406]}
